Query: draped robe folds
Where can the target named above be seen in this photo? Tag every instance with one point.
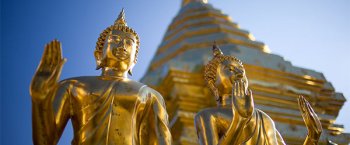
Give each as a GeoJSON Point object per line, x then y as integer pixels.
{"type": "Point", "coordinates": [260, 130]}
{"type": "Point", "coordinates": [213, 125]}
{"type": "Point", "coordinates": [109, 112]}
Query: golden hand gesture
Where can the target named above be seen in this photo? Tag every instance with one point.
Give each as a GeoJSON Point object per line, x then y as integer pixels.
{"type": "Point", "coordinates": [242, 99]}
{"type": "Point", "coordinates": [311, 120]}
{"type": "Point", "coordinates": [48, 71]}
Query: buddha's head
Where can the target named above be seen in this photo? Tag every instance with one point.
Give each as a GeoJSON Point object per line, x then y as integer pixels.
{"type": "Point", "coordinates": [117, 47]}
{"type": "Point", "coordinates": [221, 73]}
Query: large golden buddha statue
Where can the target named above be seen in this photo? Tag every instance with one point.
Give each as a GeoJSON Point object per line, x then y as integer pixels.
{"type": "Point", "coordinates": [105, 110]}
{"type": "Point", "coordinates": [235, 121]}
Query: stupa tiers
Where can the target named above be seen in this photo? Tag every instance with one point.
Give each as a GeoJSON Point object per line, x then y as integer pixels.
{"type": "Point", "coordinates": [176, 71]}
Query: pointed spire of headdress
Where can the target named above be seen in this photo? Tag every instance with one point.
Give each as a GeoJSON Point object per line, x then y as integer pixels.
{"type": "Point", "coordinates": [216, 50]}
{"type": "Point", "coordinates": [121, 19]}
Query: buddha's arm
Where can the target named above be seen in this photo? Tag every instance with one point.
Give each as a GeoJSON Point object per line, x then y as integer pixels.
{"type": "Point", "coordinates": [243, 109]}
{"type": "Point", "coordinates": [50, 116]}
{"type": "Point", "coordinates": [48, 119]}
{"type": "Point", "coordinates": [207, 131]}
{"type": "Point", "coordinates": [153, 127]}
{"type": "Point", "coordinates": [233, 136]}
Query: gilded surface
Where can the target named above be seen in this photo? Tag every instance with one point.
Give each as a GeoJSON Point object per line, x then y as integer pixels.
{"type": "Point", "coordinates": [109, 109]}
{"type": "Point", "coordinates": [176, 71]}
{"type": "Point", "coordinates": [235, 120]}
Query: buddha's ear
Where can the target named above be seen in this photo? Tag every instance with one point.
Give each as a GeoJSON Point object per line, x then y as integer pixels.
{"type": "Point", "coordinates": [98, 57]}
{"type": "Point", "coordinates": [214, 90]}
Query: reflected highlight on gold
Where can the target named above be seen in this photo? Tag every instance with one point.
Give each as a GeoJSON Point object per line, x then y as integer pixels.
{"type": "Point", "coordinates": [235, 121]}
{"type": "Point", "coordinates": [109, 109]}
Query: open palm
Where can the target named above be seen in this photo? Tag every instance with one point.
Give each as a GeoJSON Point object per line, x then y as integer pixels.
{"type": "Point", "coordinates": [311, 119]}
{"type": "Point", "coordinates": [48, 71]}
{"type": "Point", "coordinates": [242, 99]}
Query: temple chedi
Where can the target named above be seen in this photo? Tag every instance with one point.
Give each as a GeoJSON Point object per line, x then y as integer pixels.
{"type": "Point", "coordinates": [176, 71]}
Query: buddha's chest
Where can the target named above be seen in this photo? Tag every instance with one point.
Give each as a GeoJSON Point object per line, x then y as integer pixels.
{"type": "Point", "coordinates": [106, 112]}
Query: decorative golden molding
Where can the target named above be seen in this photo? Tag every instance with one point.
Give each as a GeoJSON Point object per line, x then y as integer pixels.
{"type": "Point", "coordinates": [204, 44]}
{"type": "Point", "coordinates": [237, 31]}
{"type": "Point", "coordinates": [181, 19]}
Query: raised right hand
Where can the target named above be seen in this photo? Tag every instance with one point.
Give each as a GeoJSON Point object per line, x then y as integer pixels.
{"type": "Point", "coordinates": [48, 71]}
{"type": "Point", "coordinates": [313, 123]}
{"type": "Point", "coordinates": [242, 99]}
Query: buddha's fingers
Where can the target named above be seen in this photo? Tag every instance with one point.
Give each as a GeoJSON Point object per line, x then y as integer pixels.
{"type": "Point", "coordinates": [44, 59]}
{"type": "Point", "coordinates": [55, 55]}
{"type": "Point", "coordinates": [59, 50]}
{"type": "Point", "coordinates": [51, 56]}
{"type": "Point", "coordinates": [303, 110]}
{"type": "Point", "coordinates": [245, 91]}
{"type": "Point", "coordinates": [301, 105]}
{"type": "Point", "coordinates": [241, 90]}
{"type": "Point", "coordinates": [59, 56]}
{"type": "Point", "coordinates": [250, 101]}
{"type": "Point", "coordinates": [238, 90]}
{"type": "Point", "coordinates": [250, 96]}
{"type": "Point", "coordinates": [314, 119]}
{"type": "Point", "coordinates": [57, 72]}
{"type": "Point", "coordinates": [235, 90]}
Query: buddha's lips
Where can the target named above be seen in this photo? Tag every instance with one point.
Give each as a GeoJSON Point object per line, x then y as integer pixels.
{"type": "Point", "coordinates": [121, 55]}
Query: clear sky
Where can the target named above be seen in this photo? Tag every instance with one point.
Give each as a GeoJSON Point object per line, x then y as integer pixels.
{"type": "Point", "coordinates": [313, 34]}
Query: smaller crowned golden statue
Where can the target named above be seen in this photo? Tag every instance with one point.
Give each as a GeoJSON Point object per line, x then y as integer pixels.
{"type": "Point", "coordinates": [235, 121]}
{"type": "Point", "coordinates": [105, 110]}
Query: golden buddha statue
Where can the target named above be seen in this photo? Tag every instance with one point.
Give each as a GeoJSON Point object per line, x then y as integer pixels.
{"type": "Point", "coordinates": [235, 121]}
{"type": "Point", "coordinates": [109, 109]}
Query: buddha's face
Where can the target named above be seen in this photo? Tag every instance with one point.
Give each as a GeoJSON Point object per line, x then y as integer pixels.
{"type": "Point", "coordinates": [119, 50]}
{"type": "Point", "coordinates": [227, 73]}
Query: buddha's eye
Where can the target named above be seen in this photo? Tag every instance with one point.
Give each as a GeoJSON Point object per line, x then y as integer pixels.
{"type": "Point", "coordinates": [229, 68]}
{"type": "Point", "coordinates": [129, 42]}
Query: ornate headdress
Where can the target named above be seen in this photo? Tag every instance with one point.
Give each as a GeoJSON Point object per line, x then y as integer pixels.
{"type": "Point", "coordinates": [210, 69]}
{"type": "Point", "coordinates": [121, 25]}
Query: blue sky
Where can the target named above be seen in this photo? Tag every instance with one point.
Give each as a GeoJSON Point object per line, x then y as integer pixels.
{"type": "Point", "coordinates": [313, 34]}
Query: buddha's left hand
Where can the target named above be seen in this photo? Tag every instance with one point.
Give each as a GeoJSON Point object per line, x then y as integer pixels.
{"type": "Point", "coordinates": [311, 120]}
{"type": "Point", "coordinates": [242, 99]}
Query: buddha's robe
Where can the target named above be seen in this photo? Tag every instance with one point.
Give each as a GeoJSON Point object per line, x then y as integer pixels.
{"type": "Point", "coordinates": [103, 112]}
{"type": "Point", "coordinates": [213, 125]}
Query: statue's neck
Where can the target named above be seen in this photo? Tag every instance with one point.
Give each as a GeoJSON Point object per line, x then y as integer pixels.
{"type": "Point", "coordinates": [224, 101]}
{"type": "Point", "coordinates": [112, 73]}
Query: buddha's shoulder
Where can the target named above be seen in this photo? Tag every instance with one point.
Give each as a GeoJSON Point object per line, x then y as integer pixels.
{"type": "Point", "coordinates": [100, 81]}
{"type": "Point", "coordinates": [81, 79]}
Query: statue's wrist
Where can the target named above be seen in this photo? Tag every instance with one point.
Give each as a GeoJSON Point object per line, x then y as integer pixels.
{"type": "Point", "coordinates": [243, 117]}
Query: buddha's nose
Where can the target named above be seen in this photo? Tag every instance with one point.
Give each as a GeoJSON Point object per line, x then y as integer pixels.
{"type": "Point", "coordinates": [121, 44]}
{"type": "Point", "coordinates": [121, 48]}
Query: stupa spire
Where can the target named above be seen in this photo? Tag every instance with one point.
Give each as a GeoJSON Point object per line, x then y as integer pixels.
{"type": "Point", "coordinates": [185, 2]}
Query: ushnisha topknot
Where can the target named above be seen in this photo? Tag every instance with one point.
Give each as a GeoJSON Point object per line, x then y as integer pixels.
{"type": "Point", "coordinates": [210, 69]}
{"type": "Point", "coordinates": [121, 25]}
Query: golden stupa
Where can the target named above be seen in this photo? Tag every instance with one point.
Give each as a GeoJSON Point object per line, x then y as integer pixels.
{"type": "Point", "coordinates": [176, 71]}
